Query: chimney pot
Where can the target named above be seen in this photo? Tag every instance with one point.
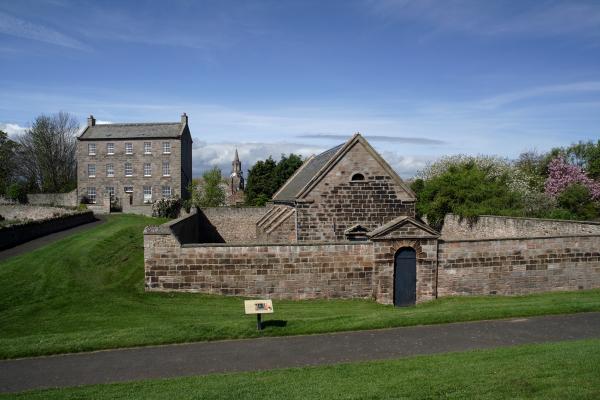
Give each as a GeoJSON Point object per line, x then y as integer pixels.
{"type": "Point", "coordinates": [184, 118]}
{"type": "Point", "coordinates": [91, 121]}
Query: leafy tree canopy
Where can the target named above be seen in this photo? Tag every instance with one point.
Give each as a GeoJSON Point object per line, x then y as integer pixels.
{"type": "Point", "coordinates": [210, 193]}
{"type": "Point", "coordinates": [266, 177]}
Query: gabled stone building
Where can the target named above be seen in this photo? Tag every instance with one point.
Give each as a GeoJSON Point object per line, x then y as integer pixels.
{"type": "Point", "coordinates": [344, 226]}
{"type": "Point", "coordinates": [335, 195]}
{"type": "Point", "coordinates": [133, 164]}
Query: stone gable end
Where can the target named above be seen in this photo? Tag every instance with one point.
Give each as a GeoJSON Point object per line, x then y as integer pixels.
{"type": "Point", "coordinates": [336, 202]}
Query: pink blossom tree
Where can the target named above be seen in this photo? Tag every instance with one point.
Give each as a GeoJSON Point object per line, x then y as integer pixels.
{"type": "Point", "coordinates": [562, 175]}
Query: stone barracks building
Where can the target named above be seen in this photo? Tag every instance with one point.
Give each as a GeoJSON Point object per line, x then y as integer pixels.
{"type": "Point", "coordinates": [134, 164]}
{"type": "Point", "coordinates": [344, 226]}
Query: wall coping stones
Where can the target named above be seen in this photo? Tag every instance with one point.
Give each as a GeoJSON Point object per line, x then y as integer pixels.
{"type": "Point", "coordinates": [355, 243]}
{"type": "Point", "coordinates": [582, 235]}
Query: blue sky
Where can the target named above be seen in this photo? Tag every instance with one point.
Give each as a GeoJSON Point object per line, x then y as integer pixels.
{"type": "Point", "coordinates": [421, 78]}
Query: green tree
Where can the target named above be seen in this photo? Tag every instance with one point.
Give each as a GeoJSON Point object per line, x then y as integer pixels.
{"type": "Point", "coordinates": [285, 168]}
{"type": "Point", "coordinates": [587, 156]}
{"type": "Point", "coordinates": [577, 200]}
{"type": "Point", "coordinates": [209, 193]}
{"type": "Point", "coordinates": [7, 164]}
{"type": "Point", "coordinates": [261, 184]}
{"type": "Point", "coordinates": [266, 177]}
{"type": "Point", "coordinates": [467, 190]}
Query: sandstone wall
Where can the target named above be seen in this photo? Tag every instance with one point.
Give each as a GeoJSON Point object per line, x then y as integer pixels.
{"type": "Point", "coordinates": [53, 199]}
{"type": "Point", "coordinates": [493, 227]}
{"type": "Point", "coordinates": [272, 271]}
{"type": "Point", "coordinates": [234, 224]}
{"type": "Point", "coordinates": [337, 203]}
{"type": "Point", "coordinates": [518, 266]}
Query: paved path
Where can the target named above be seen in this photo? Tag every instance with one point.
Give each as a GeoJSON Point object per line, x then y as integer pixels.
{"type": "Point", "coordinates": [44, 240]}
{"type": "Point", "coordinates": [282, 352]}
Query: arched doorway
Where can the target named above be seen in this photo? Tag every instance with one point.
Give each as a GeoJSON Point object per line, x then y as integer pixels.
{"type": "Point", "coordinates": [405, 277]}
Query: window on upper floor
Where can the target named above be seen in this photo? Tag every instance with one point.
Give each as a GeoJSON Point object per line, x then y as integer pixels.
{"type": "Point", "coordinates": [128, 148]}
{"type": "Point", "coordinates": [92, 149]}
{"type": "Point", "coordinates": [166, 168]}
{"type": "Point", "coordinates": [147, 169]}
{"type": "Point", "coordinates": [147, 147]}
{"type": "Point", "coordinates": [166, 148]}
{"type": "Point", "coordinates": [110, 148]}
{"type": "Point", "coordinates": [110, 170]}
{"type": "Point", "coordinates": [91, 170]}
{"type": "Point", "coordinates": [128, 169]}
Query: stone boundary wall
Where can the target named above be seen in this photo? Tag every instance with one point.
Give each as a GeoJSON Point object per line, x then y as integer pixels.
{"type": "Point", "coordinates": [258, 270]}
{"type": "Point", "coordinates": [495, 227]}
{"type": "Point", "coordinates": [234, 224]}
{"type": "Point", "coordinates": [14, 235]}
{"type": "Point", "coordinates": [53, 199]}
{"type": "Point", "coordinates": [518, 266]}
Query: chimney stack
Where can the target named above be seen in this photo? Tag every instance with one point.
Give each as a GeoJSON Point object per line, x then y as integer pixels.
{"type": "Point", "coordinates": [91, 120]}
{"type": "Point", "coordinates": [184, 118]}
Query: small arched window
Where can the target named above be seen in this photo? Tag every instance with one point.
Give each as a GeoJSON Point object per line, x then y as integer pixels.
{"type": "Point", "coordinates": [358, 177]}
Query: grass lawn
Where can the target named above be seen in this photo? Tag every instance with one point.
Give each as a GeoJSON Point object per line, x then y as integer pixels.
{"type": "Point", "coordinates": [566, 370]}
{"type": "Point", "coordinates": [86, 292]}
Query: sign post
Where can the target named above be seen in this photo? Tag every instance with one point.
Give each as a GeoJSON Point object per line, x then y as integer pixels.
{"type": "Point", "coordinates": [258, 307]}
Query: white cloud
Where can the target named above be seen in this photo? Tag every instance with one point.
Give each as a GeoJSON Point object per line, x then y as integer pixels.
{"type": "Point", "coordinates": [13, 130]}
{"type": "Point", "coordinates": [20, 28]}
{"type": "Point", "coordinates": [511, 97]}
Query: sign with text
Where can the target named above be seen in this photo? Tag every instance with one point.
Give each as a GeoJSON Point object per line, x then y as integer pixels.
{"type": "Point", "coordinates": [258, 306]}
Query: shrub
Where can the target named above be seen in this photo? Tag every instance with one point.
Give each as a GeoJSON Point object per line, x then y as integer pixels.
{"type": "Point", "coordinates": [166, 208]}
{"type": "Point", "coordinates": [81, 207]}
{"type": "Point", "coordinates": [17, 192]}
{"type": "Point", "coordinates": [467, 190]}
{"type": "Point", "coordinates": [1, 218]}
{"type": "Point", "coordinates": [563, 175]}
{"type": "Point", "coordinates": [577, 200]}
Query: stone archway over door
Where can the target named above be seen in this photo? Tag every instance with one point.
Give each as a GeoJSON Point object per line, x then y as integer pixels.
{"type": "Point", "coordinates": [405, 277]}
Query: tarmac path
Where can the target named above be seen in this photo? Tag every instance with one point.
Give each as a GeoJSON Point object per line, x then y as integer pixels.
{"type": "Point", "coordinates": [203, 358]}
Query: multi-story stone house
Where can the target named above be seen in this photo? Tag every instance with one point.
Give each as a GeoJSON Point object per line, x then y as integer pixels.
{"type": "Point", "coordinates": [133, 164]}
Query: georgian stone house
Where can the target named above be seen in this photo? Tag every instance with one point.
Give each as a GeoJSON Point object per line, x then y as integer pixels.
{"type": "Point", "coordinates": [133, 164]}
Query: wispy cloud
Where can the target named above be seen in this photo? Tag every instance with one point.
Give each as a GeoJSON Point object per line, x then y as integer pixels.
{"type": "Point", "coordinates": [14, 26]}
{"type": "Point", "coordinates": [494, 18]}
{"type": "Point", "coordinates": [377, 138]}
{"type": "Point", "coordinates": [511, 97]}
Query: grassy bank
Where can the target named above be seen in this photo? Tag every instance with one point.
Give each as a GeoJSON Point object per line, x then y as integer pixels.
{"type": "Point", "coordinates": [86, 292]}
{"type": "Point", "coordinates": [567, 370]}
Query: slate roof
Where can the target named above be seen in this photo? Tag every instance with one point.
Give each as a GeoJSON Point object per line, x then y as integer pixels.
{"type": "Point", "coordinates": [307, 171]}
{"type": "Point", "coordinates": [133, 131]}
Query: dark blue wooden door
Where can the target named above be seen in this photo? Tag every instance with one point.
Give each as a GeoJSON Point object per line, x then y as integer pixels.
{"type": "Point", "coordinates": [405, 277]}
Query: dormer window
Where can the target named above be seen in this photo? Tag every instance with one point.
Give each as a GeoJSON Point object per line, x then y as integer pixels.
{"type": "Point", "coordinates": [357, 177]}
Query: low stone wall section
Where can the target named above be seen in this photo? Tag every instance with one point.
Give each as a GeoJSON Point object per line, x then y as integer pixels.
{"type": "Point", "coordinates": [53, 199]}
{"type": "Point", "coordinates": [518, 266]}
{"type": "Point", "coordinates": [496, 227]}
{"type": "Point", "coordinates": [234, 224]}
{"type": "Point", "coordinates": [273, 271]}
{"type": "Point", "coordinates": [27, 212]}
{"type": "Point", "coordinates": [14, 235]}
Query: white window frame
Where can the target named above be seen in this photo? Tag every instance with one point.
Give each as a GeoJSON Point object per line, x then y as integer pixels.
{"type": "Point", "coordinates": [91, 195]}
{"type": "Point", "coordinates": [128, 189]}
{"type": "Point", "coordinates": [167, 192]}
{"type": "Point", "coordinates": [110, 170]}
{"type": "Point", "coordinates": [147, 196]}
{"type": "Point", "coordinates": [147, 147]}
{"type": "Point", "coordinates": [91, 149]}
{"type": "Point", "coordinates": [128, 148]}
{"type": "Point", "coordinates": [130, 165]}
{"type": "Point", "coordinates": [110, 190]}
{"type": "Point", "coordinates": [91, 170]}
{"type": "Point", "coordinates": [166, 147]}
{"type": "Point", "coordinates": [110, 149]}
{"type": "Point", "coordinates": [166, 168]}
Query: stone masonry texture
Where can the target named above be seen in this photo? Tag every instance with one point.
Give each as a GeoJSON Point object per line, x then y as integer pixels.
{"type": "Point", "coordinates": [337, 203]}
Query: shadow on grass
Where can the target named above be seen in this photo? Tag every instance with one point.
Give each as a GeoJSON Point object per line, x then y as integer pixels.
{"type": "Point", "coordinates": [277, 323]}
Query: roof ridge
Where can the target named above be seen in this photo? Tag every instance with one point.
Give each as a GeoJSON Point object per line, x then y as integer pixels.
{"type": "Point", "coordinates": [137, 123]}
